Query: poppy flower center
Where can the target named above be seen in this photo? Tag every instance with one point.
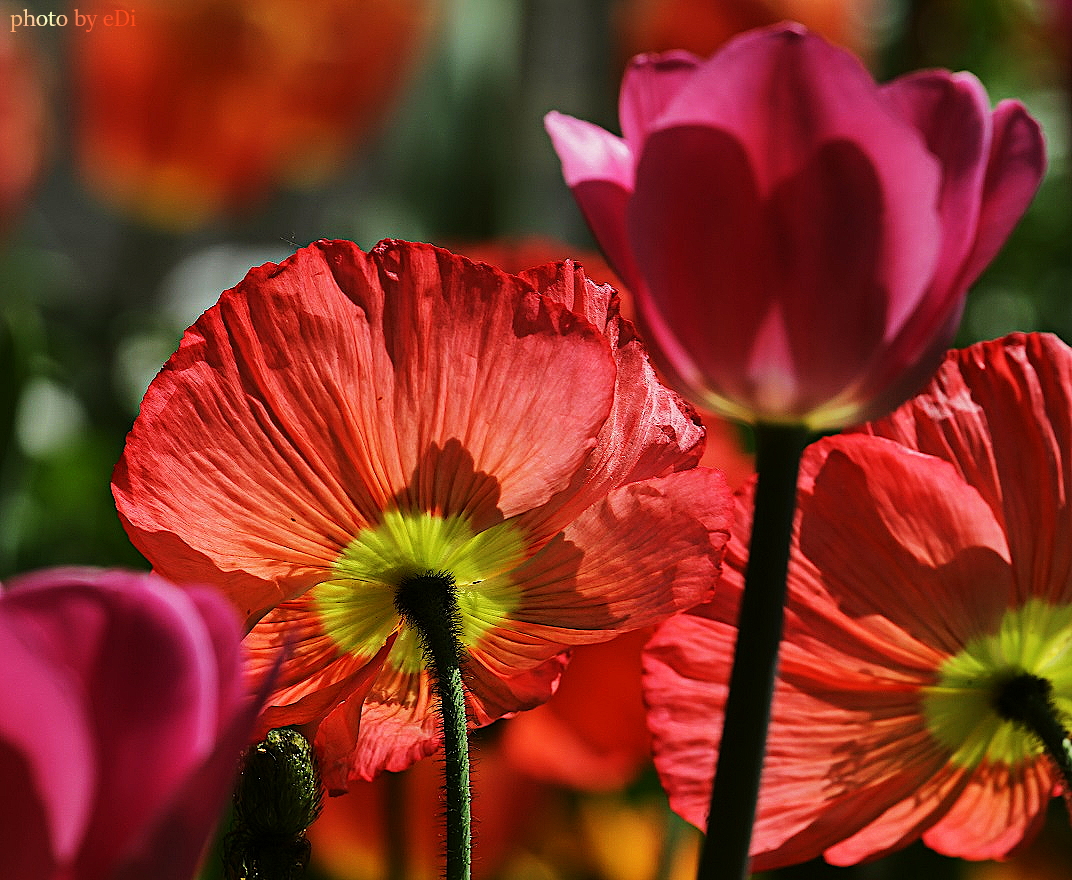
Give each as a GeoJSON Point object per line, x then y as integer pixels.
{"type": "Point", "coordinates": [407, 564]}
{"type": "Point", "coordinates": [989, 699]}
{"type": "Point", "coordinates": [429, 602]}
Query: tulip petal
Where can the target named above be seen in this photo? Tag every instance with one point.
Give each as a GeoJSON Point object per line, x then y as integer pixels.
{"type": "Point", "coordinates": [173, 844]}
{"type": "Point", "coordinates": [953, 114]}
{"type": "Point", "coordinates": [649, 84]}
{"type": "Point", "coordinates": [146, 658]}
{"type": "Point", "coordinates": [784, 93]}
{"type": "Point", "coordinates": [47, 757]}
{"type": "Point", "coordinates": [696, 217]}
{"type": "Point", "coordinates": [598, 167]}
{"type": "Point", "coordinates": [588, 152]}
{"type": "Point", "coordinates": [1014, 171]}
{"type": "Point", "coordinates": [794, 277]}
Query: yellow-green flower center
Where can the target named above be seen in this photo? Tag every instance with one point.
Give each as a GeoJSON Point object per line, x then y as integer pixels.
{"type": "Point", "coordinates": [961, 708]}
{"type": "Point", "coordinates": [357, 605]}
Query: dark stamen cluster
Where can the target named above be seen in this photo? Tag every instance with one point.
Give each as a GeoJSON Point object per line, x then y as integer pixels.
{"type": "Point", "coordinates": [1027, 701]}
{"type": "Point", "coordinates": [1021, 696]}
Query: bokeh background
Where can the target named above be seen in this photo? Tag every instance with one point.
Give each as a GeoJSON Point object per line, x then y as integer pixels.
{"type": "Point", "coordinates": [147, 160]}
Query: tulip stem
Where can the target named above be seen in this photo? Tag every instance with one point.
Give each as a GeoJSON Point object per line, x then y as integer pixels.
{"type": "Point", "coordinates": [429, 604]}
{"type": "Point", "coordinates": [759, 632]}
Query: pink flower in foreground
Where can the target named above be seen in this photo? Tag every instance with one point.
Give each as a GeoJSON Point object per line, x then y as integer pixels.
{"type": "Point", "coordinates": [930, 590]}
{"type": "Point", "coordinates": [798, 239]}
{"type": "Point", "coordinates": [123, 718]}
{"type": "Point", "coordinates": [345, 421]}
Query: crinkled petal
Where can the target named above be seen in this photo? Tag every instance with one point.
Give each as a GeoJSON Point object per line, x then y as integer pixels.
{"type": "Point", "coordinates": [399, 724]}
{"type": "Point", "coordinates": [915, 794]}
{"type": "Point", "coordinates": [315, 675]}
{"type": "Point", "coordinates": [650, 432]}
{"type": "Point", "coordinates": [845, 713]}
{"type": "Point", "coordinates": [999, 809]}
{"type": "Point", "coordinates": [851, 769]}
{"type": "Point", "coordinates": [893, 531]}
{"type": "Point", "coordinates": [1000, 413]}
{"type": "Point", "coordinates": [665, 534]}
{"type": "Point", "coordinates": [320, 391]}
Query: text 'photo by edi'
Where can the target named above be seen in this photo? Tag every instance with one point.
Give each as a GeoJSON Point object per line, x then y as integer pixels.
{"type": "Point", "coordinates": [415, 463]}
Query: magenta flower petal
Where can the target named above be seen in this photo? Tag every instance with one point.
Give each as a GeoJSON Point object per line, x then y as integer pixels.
{"type": "Point", "coordinates": [798, 239]}
{"type": "Point", "coordinates": [952, 113]}
{"type": "Point", "coordinates": [599, 168]}
{"type": "Point", "coordinates": [47, 766]}
{"type": "Point", "coordinates": [1016, 165]}
{"type": "Point", "coordinates": [158, 720]}
{"type": "Point", "coordinates": [649, 84]}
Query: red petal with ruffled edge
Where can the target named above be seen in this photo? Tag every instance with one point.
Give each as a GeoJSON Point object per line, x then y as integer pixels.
{"type": "Point", "coordinates": [320, 391]}
{"type": "Point", "coordinates": [890, 548]}
{"type": "Point", "coordinates": [342, 384]}
{"type": "Point", "coordinates": [1001, 413]}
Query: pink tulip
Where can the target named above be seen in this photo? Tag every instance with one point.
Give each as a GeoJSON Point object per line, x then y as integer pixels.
{"type": "Point", "coordinates": [799, 239]}
{"type": "Point", "coordinates": [123, 717]}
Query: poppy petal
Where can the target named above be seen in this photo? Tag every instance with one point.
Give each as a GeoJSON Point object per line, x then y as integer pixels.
{"type": "Point", "coordinates": [667, 533]}
{"type": "Point", "coordinates": [301, 406]}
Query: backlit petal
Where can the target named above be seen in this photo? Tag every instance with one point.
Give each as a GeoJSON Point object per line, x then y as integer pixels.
{"type": "Point", "coordinates": [1001, 413]}
{"type": "Point", "coordinates": [303, 404]}
{"type": "Point", "coordinates": [645, 551]}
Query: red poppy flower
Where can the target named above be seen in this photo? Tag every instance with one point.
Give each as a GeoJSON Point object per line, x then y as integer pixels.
{"type": "Point", "coordinates": [189, 110]}
{"type": "Point", "coordinates": [123, 718]}
{"type": "Point", "coordinates": [345, 421]}
{"type": "Point", "coordinates": [798, 239]}
{"type": "Point", "coordinates": [930, 578]}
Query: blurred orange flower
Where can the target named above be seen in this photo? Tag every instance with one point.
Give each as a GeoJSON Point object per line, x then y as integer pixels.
{"type": "Point", "coordinates": [570, 739]}
{"type": "Point", "coordinates": [390, 826]}
{"type": "Point", "coordinates": [187, 111]}
{"type": "Point", "coordinates": [22, 123]}
{"type": "Point", "coordinates": [701, 26]}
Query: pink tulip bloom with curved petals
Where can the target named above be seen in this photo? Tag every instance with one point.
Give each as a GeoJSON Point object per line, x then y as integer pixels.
{"type": "Point", "coordinates": [124, 715]}
{"type": "Point", "coordinates": [799, 239]}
